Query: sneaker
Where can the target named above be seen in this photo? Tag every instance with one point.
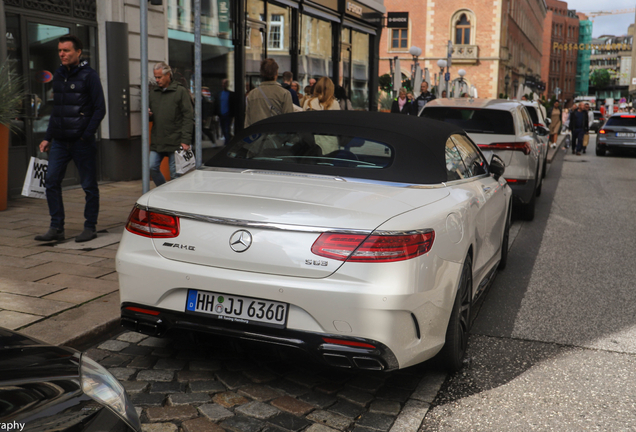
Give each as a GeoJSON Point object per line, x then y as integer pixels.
{"type": "Point", "coordinates": [553, 145]}
{"type": "Point", "coordinates": [86, 235]}
{"type": "Point", "coordinates": [51, 235]}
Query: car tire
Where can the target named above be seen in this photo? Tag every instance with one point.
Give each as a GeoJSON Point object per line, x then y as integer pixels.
{"type": "Point", "coordinates": [505, 240]}
{"type": "Point", "coordinates": [458, 330]}
{"type": "Point", "coordinates": [527, 210]}
{"type": "Point", "coordinates": [600, 150]}
{"type": "Point", "coordinates": [539, 188]}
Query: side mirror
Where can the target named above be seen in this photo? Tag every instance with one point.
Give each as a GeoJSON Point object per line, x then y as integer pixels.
{"type": "Point", "coordinates": [497, 166]}
{"type": "Point", "coordinates": [541, 131]}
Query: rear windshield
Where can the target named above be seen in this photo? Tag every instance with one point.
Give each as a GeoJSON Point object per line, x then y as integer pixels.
{"type": "Point", "coordinates": [533, 114]}
{"type": "Point", "coordinates": [474, 120]}
{"type": "Point", "coordinates": [314, 149]}
{"type": "Point", "coordinates": [621, 121]}
{"type": "Point", "coordinates": [597, 115]}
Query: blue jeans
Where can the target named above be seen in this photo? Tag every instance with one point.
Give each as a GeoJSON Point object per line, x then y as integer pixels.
{"type": "Point", "coordinates": [577, 140]}
{"type": "Point", "coordinates": [155, 165]}
{"type": "Point", "coordinates": [226, 124]}
{"type": "Point", "coordinates": [84, 154]}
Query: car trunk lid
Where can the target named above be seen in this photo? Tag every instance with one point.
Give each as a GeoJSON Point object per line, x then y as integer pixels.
{"type": "Point", "coordinates": [282, 219]}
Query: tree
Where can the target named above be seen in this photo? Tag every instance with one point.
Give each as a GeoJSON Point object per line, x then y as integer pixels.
{"type": "Point", "coordinates": [600, 78]}
{"type": "Point", "coordinates": [386, 82]}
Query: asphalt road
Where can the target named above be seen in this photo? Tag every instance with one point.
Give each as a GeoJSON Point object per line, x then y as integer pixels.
{"type": "Point", "coordinates": [553, 346]}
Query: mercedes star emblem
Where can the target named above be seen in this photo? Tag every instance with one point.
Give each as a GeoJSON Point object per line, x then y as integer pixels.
{"type": "Point", "coordinates": [241, 241]}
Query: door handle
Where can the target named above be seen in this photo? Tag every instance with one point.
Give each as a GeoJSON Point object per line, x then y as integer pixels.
{"type": "Point", "coordinates": [486, 188]}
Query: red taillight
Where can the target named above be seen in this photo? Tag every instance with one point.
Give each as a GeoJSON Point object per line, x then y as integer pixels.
{"type": "Point", "coordinates": [515, 181]}
{"type": "Point", "coordinates": [628, 116]}
{"type": "Point", "coordinates": [374, 248]}
{"type": "Point", "coordinates": [524, 147]}
{"type": "Point", "coordinates": [143, 311]}
{"type": "Point", "coordinates": [602, 131]}
{"type": "Point", "coordinates": [348, 343]}
{"type": "Point", "coordinates": [152, 224]}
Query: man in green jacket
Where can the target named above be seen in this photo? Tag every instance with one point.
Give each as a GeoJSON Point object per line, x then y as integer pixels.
{"type": "Point", "coordinates": [172, 121]}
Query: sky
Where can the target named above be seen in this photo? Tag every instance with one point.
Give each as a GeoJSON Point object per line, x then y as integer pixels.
{"type": "Point", "coordinates": [615, 25]}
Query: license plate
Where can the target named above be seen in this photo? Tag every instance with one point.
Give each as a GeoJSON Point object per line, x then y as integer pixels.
{"type": "Point", "coordinates": [238, 309]}
{"type": "Point", "coordinates": [625, 134]}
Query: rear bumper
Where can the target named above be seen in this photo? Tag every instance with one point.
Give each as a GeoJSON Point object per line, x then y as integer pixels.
{"type": "Point", "coordinates": [522, 193]}
{"type": "Point", "coordinates": [378, 358]}
{"type": "Point", "coordinates": [616, 144]}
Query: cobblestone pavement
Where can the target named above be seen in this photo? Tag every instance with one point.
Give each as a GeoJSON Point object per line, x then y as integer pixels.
{"type": "Point", "coordinates": [179, 384]}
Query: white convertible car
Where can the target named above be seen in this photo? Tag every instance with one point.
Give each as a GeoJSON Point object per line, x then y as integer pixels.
{"type": "Point", "coordinates": [362, 238]}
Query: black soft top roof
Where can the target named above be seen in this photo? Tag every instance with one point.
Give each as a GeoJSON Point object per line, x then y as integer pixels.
{"type": "Point", "coordinates": [418, 143]}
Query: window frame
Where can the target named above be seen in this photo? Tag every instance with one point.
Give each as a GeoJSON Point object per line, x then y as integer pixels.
{"type": "Point", "coordinates": [271, 25]}
{"type": "Point", "coordinates": [472, 20]}
{"type": "Point", "coordinates": [462, 141]}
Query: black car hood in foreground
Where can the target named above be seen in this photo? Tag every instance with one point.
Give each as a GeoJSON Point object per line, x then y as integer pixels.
{"type": "Point", "coordinates": [40, 387]}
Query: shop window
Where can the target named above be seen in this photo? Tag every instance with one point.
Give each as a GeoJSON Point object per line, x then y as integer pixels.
{"type": "Point", "coordinates": [463, 28]}
{"type": "Point", "coordinates": [399, 38]}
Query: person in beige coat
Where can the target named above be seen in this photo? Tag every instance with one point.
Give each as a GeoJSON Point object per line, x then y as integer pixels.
{"type": "Point", "coordinates": [269, 98]}
{"type": "Point", "coordinates": [323, 97]}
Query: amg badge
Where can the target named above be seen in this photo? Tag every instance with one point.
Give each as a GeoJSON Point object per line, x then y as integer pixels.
{"type": "Point", "coordinates": [179, 246]}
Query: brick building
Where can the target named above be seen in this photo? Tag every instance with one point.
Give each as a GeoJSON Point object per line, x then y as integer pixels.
{"type": "Point", "coordinates": [491, 40]}
{"type": "Point", "coordinates": [560, 48]}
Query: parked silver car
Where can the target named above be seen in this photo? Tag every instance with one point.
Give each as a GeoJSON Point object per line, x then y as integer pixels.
{"type": "Point", "coordinates": [505, 128]}
{"type": "Point", "coordinates": [538, 116]}
{"type": "Point", "coordinates": [619, 132]}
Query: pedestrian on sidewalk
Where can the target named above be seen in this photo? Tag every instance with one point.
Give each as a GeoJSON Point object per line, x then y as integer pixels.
{"type": "Point", "coordinates": [226, 108]}
{"type": "Point", "coordinates": [323, 97]}
{"type": "Point", "coordinates": [288, 80]}
{"type": "Point", "coordinates": [401, 104]}
{"type": "Point", "coordinates": [425, 97]}
{"type": "Point", "coordinates": [78, 109]}
{"type": "Point", "coordinates": [579, 125]}
{"type": "Point", "coordinates": [555, 115]}
{"type": "Point", "coordinates": [590, 121]}
{"type": "Point", "coordinates": [172, 119]}
{"type": "Point", "coordinates": [269, 98]}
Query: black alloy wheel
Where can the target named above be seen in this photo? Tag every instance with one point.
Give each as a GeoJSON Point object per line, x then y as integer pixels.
{"type": "Point", "coordinates": [454, 350]}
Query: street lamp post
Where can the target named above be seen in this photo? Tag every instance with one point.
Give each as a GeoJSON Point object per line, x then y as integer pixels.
{"type": "Point", "coordinates": [507, 82]}
{"type": "Point", "coordinates": [415, 52]}
{"type": "Point", "coordinates": [442, 64]}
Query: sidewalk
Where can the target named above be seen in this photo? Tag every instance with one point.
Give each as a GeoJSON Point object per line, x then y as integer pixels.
{"type": "Point", "coordinates": [62, 293]}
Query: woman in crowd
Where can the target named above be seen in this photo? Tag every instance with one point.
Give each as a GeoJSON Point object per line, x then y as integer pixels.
{"type": "Point", "coordinates": [343, 100]}
{"type": "Point", "coordinates": [323, 97]}
{"type": "Point", "coordinates": [401, 104]}
{"type": "Point", "coordinates": [555, 115]}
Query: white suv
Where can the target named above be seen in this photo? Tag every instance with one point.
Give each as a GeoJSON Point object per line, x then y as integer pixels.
{"type": "Point", "coordinates": [538, 116]}
{"type": "Point", "coordinates": [506, 128]}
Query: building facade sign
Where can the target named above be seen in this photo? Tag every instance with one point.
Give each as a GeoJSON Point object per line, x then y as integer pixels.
{"type": "Point", "coordinates": [587, 47]}
{"type": "Point", "coordinates": [397, 19]}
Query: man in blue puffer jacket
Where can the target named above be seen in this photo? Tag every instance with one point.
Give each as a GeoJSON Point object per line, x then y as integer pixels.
{"type": "Point", "coordinates": [78, 109]}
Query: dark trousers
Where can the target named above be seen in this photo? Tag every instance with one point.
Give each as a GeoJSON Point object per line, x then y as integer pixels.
{"type": "Point", "coordinates": [226, 124]}
{"type": "Point", "coordinates": [577, 140]}
{"type": "Point", "coordinates": [84, 154]}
